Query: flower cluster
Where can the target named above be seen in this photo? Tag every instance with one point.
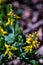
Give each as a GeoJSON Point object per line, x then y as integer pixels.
{"type": "Point", "coordinates": [11, 18]}
{"type": "Point", "coordinates": [2, 32]}
{"type": "Point", "coordinates": [8, 50]}
{"type": "Point", "coordinates": [32, 42]}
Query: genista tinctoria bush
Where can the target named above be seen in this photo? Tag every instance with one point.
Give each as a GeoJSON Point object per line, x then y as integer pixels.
{"type": "Point", "coordinates": [12, 39]}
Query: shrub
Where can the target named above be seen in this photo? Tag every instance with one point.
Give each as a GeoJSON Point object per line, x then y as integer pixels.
{"type": "Point", "coordinates": [12, 39]}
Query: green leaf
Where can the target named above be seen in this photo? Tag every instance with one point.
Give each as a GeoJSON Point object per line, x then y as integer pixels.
{"type": "Point", "coordinates": [22, 55]}
{"type": "Point", "coordinates": [41, 57]}
{"type": "Point", "coordinates": [10, 38]}
{"type": "Point", "coordinates": [17, 29]}
{"type": "Point", "coordinates": [34, 62]}
{"type": "Point", "coordinates": [9, 7]}
{"type": "Point", "coordinates": [15, 44]}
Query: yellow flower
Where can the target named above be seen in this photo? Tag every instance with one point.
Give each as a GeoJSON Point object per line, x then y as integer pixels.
{"type": "Point", "coordinates": [12, 20]}
{"type": "Point", "coordinates": [34, 43]}
{"type": "Point", "coordinates": [28, 48]}
{"type": "Point", "coordinates": [13, 48]}
{"type": "Point", "coordinates": [7, 49]}
{"type": "Point", "coordinates": [7, 46]}
{"type": "Point", "coordinates": [28, 40]}
{"type": "Point", "coordinates": [9, 22]}
{"type": "Point", "coordinates": [31, 50]}
{"type": "Point", "coordinates": [10, 14]}
{"type": "Point", "coordinates": [6, 52]}
{"type": "Point", "coordinates": [2, 31]}
{"type": "Point", "coordinates": [10, 54]}
{"type": "Point", "coordinates": [35, 46]}
{"type": "Point", "coordinates": [1, 1]}
{"type": "Point", "coordinates": [31, 46]}
{"type": "Point", "coordinates": [17, 17]}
